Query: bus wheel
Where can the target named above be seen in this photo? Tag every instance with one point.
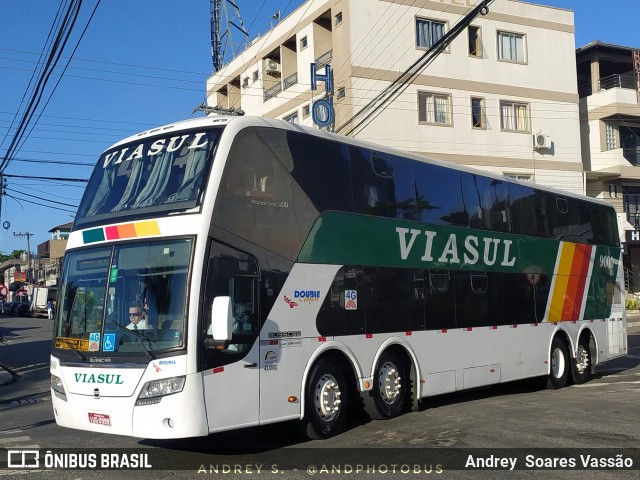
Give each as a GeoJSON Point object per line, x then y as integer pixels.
{"type": "Point", "coordinates": [325, 402]}
{"type": "Point", "coordinates": [387, 397]}
{"type": "Point", "coordinates": [560, 364]}
{"type": "Point", "coordinates": [581, 366]}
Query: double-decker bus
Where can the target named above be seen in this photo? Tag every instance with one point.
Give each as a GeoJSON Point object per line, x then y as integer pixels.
{"type": "Point", "coordinates": [227, 272]}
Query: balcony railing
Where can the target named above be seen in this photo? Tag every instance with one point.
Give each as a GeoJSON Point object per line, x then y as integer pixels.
{"type": "Point", "coordinates": [323, 59]}
{"type": "Point", "coordinates": [272, 91]}
{"type": "Point", "coordinates": [632, 155]}
{"type": "Point", "coordinates": [625, 80]}
{"type": "Point", "coordinates": [290, 81]}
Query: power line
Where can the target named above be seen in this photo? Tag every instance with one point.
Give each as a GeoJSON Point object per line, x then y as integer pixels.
{"type": "Point", "coordinates": [46, 178]}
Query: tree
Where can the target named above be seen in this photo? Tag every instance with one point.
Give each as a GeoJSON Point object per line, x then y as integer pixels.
{"type": "Point", "coordinates": [15, 254]}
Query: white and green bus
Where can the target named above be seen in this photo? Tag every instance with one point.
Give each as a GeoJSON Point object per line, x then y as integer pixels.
{"type": "Point", "coordinates": [279, 273]}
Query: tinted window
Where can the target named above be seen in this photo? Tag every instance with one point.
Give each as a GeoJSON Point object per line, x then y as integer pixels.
{"type": "Point", "coordinates": [343, 310]}
{"type": "Point", "coordinates": [440, 302]}
{"type": "Point", "coordinates": [565, 220]}
{"type": "Point", "coordinates": [319, 166]}
{"type": "Point", "coordinates": [259, 201]}
{"type": "Point", "coordinates": [519, 297]}
{"type": "Point", "coordinates": [478, 299]}
{"type": "Point", "coordinates": [528, 211]}
{"type": "Point", "coordinates": [439, 197]}
{"type": "Point", "coordinates": [373, 194]}
{"type": "Point", "coordinates": [395, 299]}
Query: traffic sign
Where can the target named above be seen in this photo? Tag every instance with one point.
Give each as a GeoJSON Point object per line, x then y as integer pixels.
{"type": "Point", "coordinates": [4, 291]}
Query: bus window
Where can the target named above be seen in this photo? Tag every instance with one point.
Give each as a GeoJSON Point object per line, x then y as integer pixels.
{"type": "Point", "coordinates": [234, 274]}
{"type": "Point", "coordinates": [479, 299]}
{"type": "Point", "coordinates": [440, 309]}
{"type": "Point", "coordinates": [565, 221]}
{"type": "Point", "coordinates": [342, 312]}
{"type": "Point", "coordinates": [259, 201]}
{"type": "Point", "coordinates": [392, 302]}
{"type": "Point", "coordinates": [373, 194]}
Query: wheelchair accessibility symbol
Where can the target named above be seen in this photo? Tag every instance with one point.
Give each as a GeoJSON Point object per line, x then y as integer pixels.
{"type": "Point", "coordinates": [109, 342]}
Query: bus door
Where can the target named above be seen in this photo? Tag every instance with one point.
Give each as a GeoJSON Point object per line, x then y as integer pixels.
{"type": "Point", "coordinates": [232, 374]}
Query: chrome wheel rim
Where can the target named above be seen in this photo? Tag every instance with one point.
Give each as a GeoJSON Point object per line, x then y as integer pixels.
{"type": "Point", "coordinates": [327, 398]}
{"type": "Point", "coordinates": [389, 383]}
{"type": "Point", "coordinates": [582, 360]}
{"type": "Point", "coordinates": [557, 363]}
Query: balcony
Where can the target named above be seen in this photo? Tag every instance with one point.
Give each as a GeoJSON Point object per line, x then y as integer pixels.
{"type": "Point", "coordinates": [272, 91]}
{"type": "Point", "coordinates": [323, 59]}
{"type": "Point", "coordinates": [624, 80]}
{"type": "Point", "coordinates": [290, 81]}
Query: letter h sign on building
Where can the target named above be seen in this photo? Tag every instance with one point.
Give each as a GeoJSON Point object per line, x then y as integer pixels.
{"type": "Point", "coordinates": [322, 111]}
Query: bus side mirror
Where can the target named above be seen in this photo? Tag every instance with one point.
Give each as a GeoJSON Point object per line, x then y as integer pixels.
{"type": "Point", "coordinates": [221, 319]}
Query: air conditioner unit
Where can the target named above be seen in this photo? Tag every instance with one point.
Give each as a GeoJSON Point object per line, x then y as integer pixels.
{"type": "Point", "coordinates": [272, 67]}
{"type": "Point", "coordinates": [540, 140]}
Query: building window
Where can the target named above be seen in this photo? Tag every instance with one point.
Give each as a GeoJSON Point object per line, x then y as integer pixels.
{"type": "Point", "coordinates": [293, 118]}
{"type": "Point", "coordinates": [475, 45]}
{"type": "Point", "coordinates": [610, 136]}
{"type": "Point", "coordinates": [255, 76]}
{"type": "Point", "coordinates": [338, 18]}
{"type": "Point", "coordinates": [477, 112]}
{"type": "Point", "coordinates": [245, 82]}
{"type": "Point", "coordinates": [428, 32]}
{"type": "Point", "coordinates": [511, 47]}
{"type": "Point", "coordinates": [514, 116]}
{"type": "Point", "coordinates": [306, 111]}
{"type": "Point", "coordinates": [340, 93]}
{"type": "Point", "coordinates": [434, 108]}
{"type": "Point", "coordinates": [303, 43]}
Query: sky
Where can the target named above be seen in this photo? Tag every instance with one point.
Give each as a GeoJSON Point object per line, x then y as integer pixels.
{"type": "Point", "coordinates": [138, 64]}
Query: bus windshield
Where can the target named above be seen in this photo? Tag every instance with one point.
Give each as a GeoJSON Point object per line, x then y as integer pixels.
{"type": "Point", "coordinates": [124, 299]}
{"type": "Point", "coordinates": [157, 174]}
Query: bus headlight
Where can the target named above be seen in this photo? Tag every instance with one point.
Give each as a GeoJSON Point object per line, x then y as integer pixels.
{"type": "Point", "coordinates": [152, 391]}
{"type": "Point", "coordinates": [56, 384]}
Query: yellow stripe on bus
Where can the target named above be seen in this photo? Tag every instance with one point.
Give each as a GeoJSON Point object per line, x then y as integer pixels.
{"type": "Point", "coordinates": [561, 281]}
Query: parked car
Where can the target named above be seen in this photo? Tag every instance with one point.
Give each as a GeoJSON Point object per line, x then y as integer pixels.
{"type": "Point", "coordinates": [17, 309]}
{"type": "Point", "coordinates": [22, 310]}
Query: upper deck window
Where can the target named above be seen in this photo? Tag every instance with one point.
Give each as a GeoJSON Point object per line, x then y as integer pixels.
{"type": "Point", "coordinates": [157, 174]}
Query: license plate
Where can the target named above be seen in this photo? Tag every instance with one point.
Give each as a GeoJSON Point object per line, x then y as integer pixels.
{"type": "Point", "coordinates": [100, 419]}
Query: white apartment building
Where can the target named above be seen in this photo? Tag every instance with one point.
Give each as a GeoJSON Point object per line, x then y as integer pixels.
{"type": "Point", "coordinates": [610, 126]}
{"type": "Point", "coordinates": [507, 81]}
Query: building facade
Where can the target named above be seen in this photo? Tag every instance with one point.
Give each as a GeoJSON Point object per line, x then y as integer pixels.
{"type": "Point", "coordinates": [610, 131]}
{"type": "Point", "coordinates": [502, 97]}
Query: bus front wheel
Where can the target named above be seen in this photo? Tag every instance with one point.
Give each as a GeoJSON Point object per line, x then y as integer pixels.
{"type": "Point", "coordinates": [387, 397]}
{"type": "Point", "coordinates": [325, 401]}
{"type": "Point", "coordinates": [559, 364]}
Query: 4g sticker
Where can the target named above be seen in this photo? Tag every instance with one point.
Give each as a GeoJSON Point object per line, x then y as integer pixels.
{"type": "Point", "coordinates": [350, 299]}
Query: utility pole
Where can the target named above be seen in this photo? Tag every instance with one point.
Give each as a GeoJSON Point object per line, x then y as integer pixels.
{"type": "Point", "coordinates": [28, 235]}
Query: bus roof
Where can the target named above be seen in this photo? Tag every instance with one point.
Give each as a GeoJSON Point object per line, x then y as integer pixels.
{"type": "Point", "coordinates": [240, 122]}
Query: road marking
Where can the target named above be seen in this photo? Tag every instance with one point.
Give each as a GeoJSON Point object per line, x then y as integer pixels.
{"type": "Point", "coordinates": [8, 432]}
{"type": "Point", "coordinates": [9, 441]}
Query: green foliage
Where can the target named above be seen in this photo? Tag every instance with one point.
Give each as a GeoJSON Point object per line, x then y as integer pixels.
{"type": "Point", "coordinates": [15, 254]}
{"type": "Point", "coordinates": [632, 303]}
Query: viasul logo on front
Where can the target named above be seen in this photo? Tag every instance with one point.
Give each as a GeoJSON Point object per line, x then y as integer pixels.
{"type": "Point", "coordinates": [101, 378]}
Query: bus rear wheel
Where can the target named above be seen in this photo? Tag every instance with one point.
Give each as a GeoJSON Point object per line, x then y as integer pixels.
{"type": "Point", "coordinates": [387, 397]}
{"type": "Point", "coordinates": [581, 365]}
{"type": "Point", "coordinates": [326, 401]}
{"type": "Point", "coordinates": [559, 364]}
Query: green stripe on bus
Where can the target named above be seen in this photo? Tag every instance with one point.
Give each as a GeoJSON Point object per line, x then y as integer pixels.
{"type": "Point", "coordinates": [94, 235]}
{"type": "Point", "coordinates": [348, 239]}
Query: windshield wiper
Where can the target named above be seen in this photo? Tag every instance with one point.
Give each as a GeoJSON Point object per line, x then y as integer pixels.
{"type": "Point", "coordinates": [139, 336]}
{"type": "Point", "coordinates": [73, 347]}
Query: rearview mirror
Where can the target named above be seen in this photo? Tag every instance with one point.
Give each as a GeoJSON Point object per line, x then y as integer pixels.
{"type": "Point", "coordinates": [221, 319]}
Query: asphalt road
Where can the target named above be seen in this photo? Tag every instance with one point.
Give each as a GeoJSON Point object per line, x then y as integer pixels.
{"type": "Point", "coordinates": [517, 420]}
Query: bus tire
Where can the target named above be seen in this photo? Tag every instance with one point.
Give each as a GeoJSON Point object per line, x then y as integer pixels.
{"type": "Point", "coordinates": [581, 365]}
{"type": "Point", "coordinates": [326, 401]}
{"type": "Point", "coordinates": [387, 397]}
{"type": "Point", "coordinates": [559, 364]}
